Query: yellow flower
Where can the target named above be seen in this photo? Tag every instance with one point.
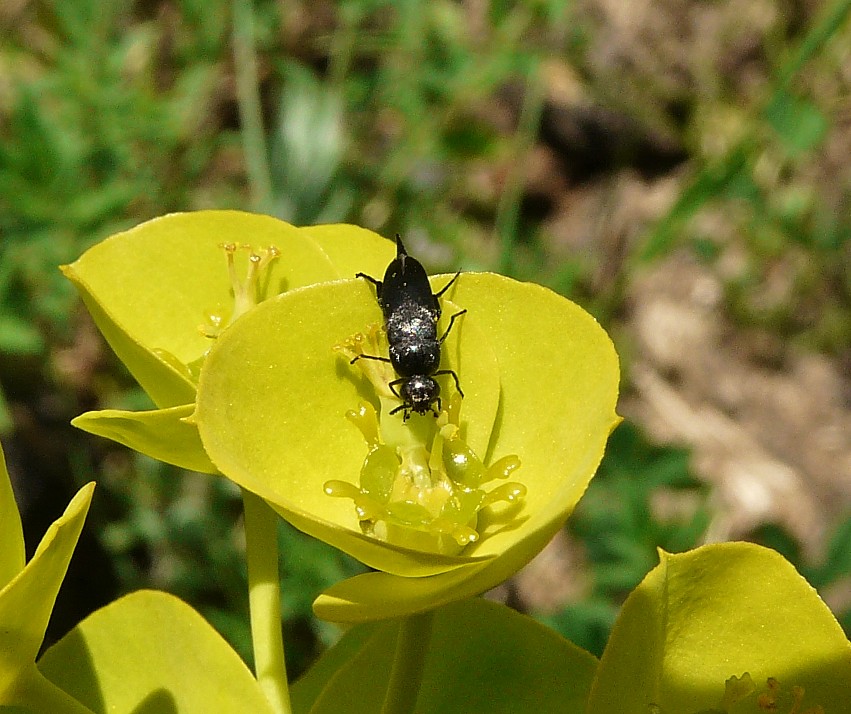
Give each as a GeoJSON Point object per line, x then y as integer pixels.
{"type": "Point", "coordinates": [263, 398]}
{"type": "Point", "coordinates": [540, 379]}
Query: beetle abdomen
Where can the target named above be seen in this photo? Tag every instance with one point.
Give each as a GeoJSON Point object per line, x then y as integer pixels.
{"type": "Point", "coordinates": [411, 321]}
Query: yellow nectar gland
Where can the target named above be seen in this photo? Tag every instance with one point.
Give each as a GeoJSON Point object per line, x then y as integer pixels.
{"type": "Point", "coordinates": [424, 496]}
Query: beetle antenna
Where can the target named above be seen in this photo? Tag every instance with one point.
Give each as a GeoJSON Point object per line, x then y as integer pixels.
{"type": "Point", "coordinates": [400, 247]}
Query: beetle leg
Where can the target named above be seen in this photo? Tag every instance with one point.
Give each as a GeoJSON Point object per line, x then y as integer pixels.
{"type": "Point", "coordinates": [375, 357]}
{"type": "Point", "coordinates": [393, 389]}
{"type": "Point", "coordinates": [378, 284]}
{"type": "Point", "coordinates": [405, 414]}
{"type": "Point", "coordinates": [446, 287]}
{"type": "Point", "coordinates": [451, 322]}
{"type": "Point", "coordinates": [454, 376]}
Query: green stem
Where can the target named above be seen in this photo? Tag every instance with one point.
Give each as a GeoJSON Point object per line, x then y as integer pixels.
{"type": "Point", "coordinates": [508, 209]}
{"type": "Point", "coordinates": [264, 597]}
{"type": "Point", "coordinates": [408, 664]}
{"type": "Point", "coordinates": [248, 99]}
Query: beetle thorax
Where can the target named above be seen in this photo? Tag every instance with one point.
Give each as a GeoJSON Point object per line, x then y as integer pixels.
{"type": "Point", "coordinates": [420, 392]}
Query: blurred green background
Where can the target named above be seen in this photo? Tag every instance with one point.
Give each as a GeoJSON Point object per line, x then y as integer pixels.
{"type": "Point", "coordinates": [681, 169]}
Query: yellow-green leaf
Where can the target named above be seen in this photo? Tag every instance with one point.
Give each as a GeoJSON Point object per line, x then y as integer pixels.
{"type": "Point", "coordinates": [483, 658]}
{"type": "Point", "coordinates": [271, 412]}
{"type": "Point", "coordinates": [559, 376]}
{"type": "Point", "coordinates": [150, 288]}
{"type": "Point", "coordinates": [149, 651]}
{"type": "Point", "coordinates": [34, 694]}
{"type": "Point", "coordinates": [722, 611]}
{"type": "Point", "coordinates": [11, 533]}
{"type": "Point", "coordinates": [27, 600]}
{"type": "Point", "coordinates": [353, 249]}
{"type": "Point", "coordinates": [310, 686]}
{"type": "Point", "coordinates": [163, 434]}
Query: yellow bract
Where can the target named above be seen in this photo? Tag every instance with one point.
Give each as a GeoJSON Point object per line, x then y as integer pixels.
{"type": "Point", "coordinates": [162, 292]}
{"type": "Point", "coordinates": [540, 378]}
{"type": "Point", "coordinates": [27, 595]}
{"type": "Point", "coordinates": [729, 627]}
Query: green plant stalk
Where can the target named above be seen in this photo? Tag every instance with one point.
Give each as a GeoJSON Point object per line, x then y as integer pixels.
{"type": "Point", "coordinates": [508, 209]}
{"type": "Point", "coordinates": [343, 43]}
{"type": "Point", "coordinates": [248, 99]}
{"type": "Point", "coordinates": [408, 664]}
{"type": "Point", "coordinates": [264, 598]}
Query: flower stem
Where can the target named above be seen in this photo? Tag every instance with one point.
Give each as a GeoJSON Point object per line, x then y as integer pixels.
{"type": "Point", "coordinates": [408, 664]}
{"type": "Point", "coordinates": [264, 597]}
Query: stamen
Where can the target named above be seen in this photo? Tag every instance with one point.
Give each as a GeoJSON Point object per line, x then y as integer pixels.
{"type": "Point", "coordinates": [246, 293]}
{"type": "Point", "coordinates": [361, 348]}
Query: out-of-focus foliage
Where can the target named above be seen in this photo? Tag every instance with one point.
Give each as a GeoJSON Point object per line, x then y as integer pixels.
{"type": "Point", "coordinates": [763, 168]}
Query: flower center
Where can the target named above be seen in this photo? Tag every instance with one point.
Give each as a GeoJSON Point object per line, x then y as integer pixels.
{"type": "Point", "coordinates": [246, 291]}
{"type": "Point", "coordinates": [421, 486]}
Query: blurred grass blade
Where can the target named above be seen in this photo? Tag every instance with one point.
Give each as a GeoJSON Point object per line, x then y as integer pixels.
{"type": "Point", "coordinates": [307, 150]}
{"type": "Point", "coordinates": [248, 96]}
{"type": "Point", "coordinates": [798, 123]}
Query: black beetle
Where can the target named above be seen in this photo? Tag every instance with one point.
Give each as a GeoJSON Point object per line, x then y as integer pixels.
{"type": "Point", "coordinates": [411, 312]}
